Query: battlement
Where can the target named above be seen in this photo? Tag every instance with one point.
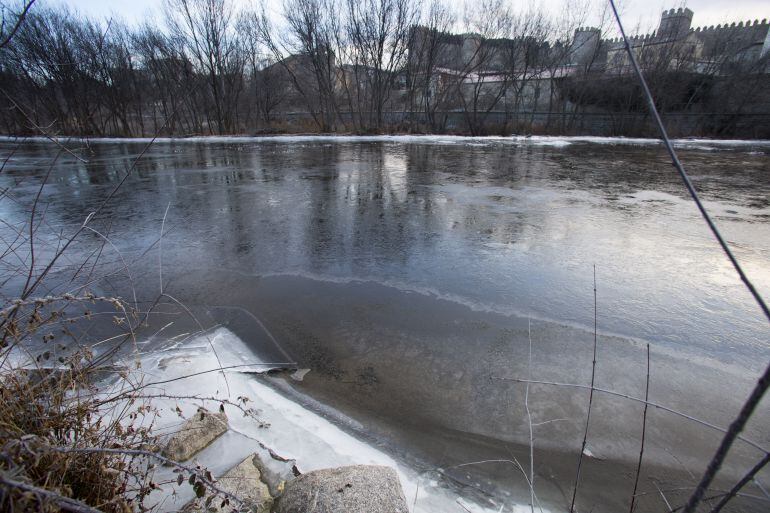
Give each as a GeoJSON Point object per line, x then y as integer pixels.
{"type": "Point", "coordinates": [665, 32]}
{"type": "Point", "coordinates": [587, 29]}
{"type": "Point", "coordinates": [675, 24]}
{"type": "Point", "coordinates": [687, 13]}
{"type": "Point", "coordinates": [747, 24]}
{"type": "Point", "coordinates": [640, 38]}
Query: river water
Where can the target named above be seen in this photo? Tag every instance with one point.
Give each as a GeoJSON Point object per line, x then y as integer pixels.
{"type": "Point", "coordinates": [414, 276]}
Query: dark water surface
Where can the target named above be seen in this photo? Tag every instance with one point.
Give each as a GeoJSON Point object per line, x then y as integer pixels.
{"type": "Point", "coordinates": [409, 274]}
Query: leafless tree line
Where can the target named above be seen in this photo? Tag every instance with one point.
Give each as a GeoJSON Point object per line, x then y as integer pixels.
{"type": "Point", "coordinates": [216, 67]}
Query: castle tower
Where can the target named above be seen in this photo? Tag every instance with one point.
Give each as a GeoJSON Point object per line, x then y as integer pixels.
{"type": "Point", "coordinates": [584, 45]}
{"type": "Point", "coordinates": [674, 24]}
{"type": "Point", "coordinates": [469, 52]}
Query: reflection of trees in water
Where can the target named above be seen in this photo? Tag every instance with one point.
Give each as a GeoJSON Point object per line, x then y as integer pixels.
{"type": "Point", "coordinates": [360, 208]}
{"type": "Point", "coordinates": [361, 205]}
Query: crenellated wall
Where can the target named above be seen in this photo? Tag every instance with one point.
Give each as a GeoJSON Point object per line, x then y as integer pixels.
{"type": "Point", "coordinates": [693, 49]}
{"type": "Point", "coordinates": [755, 30]}
{"type": "Point", "coordinates": [682, 46]}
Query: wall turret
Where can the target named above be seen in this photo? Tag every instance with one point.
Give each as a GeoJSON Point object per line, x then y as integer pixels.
{"type": "Point", "coordinates": [584, 45]}
{"type": "Point", "coordinates": [675, 24]}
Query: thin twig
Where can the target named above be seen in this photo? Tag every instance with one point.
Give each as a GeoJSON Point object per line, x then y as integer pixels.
{"type": "Point", "coordinates": [681, 464]}
{"type": "Point", "coordinates": [758, 484]}
{"type": "Point", "coordinates": [715, 497]}
{"type": "Point", "coordinates": [740, 484]}
{"type": "Point", "coordinates": [125, 265]}
{"type": "Point", "coordinates": [512, 461]}
{"type": "Point", "coordinates": [8, 158]}
{"type": "Point", "coordinates": [17, 25]}
{"type": "Point", "coordinates": [457, 501]}
{"type": "Point", "coordinates": [208, 339]}
{"type": "Point", "coordinates": [688, 488]}
{"type": "Point", "coordinates": [65, 503]}
{"type": "Point", "coordinates": [639, 400]}
{"type": "Point", "coordinates": [644, 432]}
{"type": "Point", "coordinates": [668, 504]}
{"type": "Point", "coordinates": [32, 222]}
{"type": "Point", "coordinates": [217, 369]}
{"type": "Point", "coordinates": [160, 248]}
{"type": "Point", "coordinates": [590, 402]}
{"type": "Point", "coordinates": [529, 420]}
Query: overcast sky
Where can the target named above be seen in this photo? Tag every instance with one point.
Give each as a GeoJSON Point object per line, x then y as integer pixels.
{"type": "Point", "coordinates": [644, 13]}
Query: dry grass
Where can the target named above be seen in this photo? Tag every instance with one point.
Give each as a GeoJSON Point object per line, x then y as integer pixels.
{"type": "Point", "coordinates": [66, 443]}
{"type": "Point", "coordinates": [52, 402]}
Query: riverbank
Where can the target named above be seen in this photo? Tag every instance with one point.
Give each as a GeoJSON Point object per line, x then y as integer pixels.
{"type": "Point", "coordinates": [288, 428]}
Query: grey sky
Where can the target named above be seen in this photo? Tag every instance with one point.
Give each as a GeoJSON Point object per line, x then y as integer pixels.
{"type": "Point", "coordinates": [636, 13]}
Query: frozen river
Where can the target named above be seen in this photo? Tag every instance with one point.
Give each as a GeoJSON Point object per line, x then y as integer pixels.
{"type": "Point", "coordinates": [406, 272]}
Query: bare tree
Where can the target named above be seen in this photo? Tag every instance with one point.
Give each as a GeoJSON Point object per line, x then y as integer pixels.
{"type": "Point", "coordinates": [483, 80]}
{"type": "Point", "coordinates": [305, 50]}
{"type": "Point", "coordinates": [56, 72]}
{"type": "Point", "coordinates": [206, 29]}
{"type": "Point", "coordinates": [524, 57]}
{"type": "Point", "coordinates": [181, 79]}
{"type": "Point", "coordinates": [378, 33]}
{"type": "Point", "coordinates": [562, 31]}
{"type": "Point", "coordinates": [170, 93]}
{"type": "Point", "coordinates": [429, 53]}
{"type": "Point", "coordinates": [267, 79]}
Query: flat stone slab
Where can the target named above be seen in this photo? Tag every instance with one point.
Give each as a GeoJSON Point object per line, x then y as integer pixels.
{"type": "Point", "coordinates": [355, 489]}
{"type": "Point", "coordinates": [195, 434]}
{"type": "Point", "coordinates": [243, 481]}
